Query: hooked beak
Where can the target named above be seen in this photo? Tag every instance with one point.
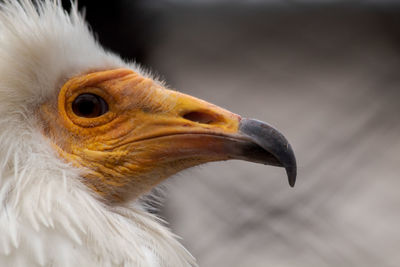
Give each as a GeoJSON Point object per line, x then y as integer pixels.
{"type": "Point", "coordinates": [268, 146]}
{"type": "Point", "coordinates": [195, 131]}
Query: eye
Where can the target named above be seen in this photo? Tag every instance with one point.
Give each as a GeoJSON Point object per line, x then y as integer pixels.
{"type": "Point", "coordinates": [89, 106]}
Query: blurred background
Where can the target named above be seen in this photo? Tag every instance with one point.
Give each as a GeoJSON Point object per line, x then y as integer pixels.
{"type": "Point", "coordinates": [327, 74]}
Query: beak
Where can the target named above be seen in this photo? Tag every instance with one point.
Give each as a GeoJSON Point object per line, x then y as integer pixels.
{"type": "Point", "coordinates": [268, 146]}
{"type": "Point", "coordinates": [178, 128]}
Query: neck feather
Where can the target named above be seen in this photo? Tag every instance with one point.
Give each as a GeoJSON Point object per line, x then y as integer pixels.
{"type": "Point", "coordinates": [49, 217]}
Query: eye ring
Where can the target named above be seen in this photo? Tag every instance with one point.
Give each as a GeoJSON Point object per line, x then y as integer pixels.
{"type": "Point", "coordinates": [89, 105]}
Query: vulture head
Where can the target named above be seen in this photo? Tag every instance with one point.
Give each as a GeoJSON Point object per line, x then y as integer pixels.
{"type": "Point", "coordinates": [84, 135]}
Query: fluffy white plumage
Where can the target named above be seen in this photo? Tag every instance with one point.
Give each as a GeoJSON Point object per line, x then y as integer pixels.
{"type": "Point", "coordinates": [47, 216]}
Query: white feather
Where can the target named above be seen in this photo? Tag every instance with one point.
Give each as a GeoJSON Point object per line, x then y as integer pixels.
{"type": "Point", "coordinates": [47, 216]}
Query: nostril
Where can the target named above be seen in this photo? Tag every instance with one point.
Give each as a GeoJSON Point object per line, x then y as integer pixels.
{"type": "Point", "coordinates": [201, 117]}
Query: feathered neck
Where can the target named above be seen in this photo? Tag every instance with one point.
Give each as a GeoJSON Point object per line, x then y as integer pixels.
{"type": "Point", "coordinates": [49, 217]}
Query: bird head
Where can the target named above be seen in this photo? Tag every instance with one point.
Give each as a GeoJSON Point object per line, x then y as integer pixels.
{"type": "Point", "coordinates": [83, 132]}
{"type": "Point", "coordinates": [120, 128]}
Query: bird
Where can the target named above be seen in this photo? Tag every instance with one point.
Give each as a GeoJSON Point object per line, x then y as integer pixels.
{"type": "Point", "coordinates": [85, 136]}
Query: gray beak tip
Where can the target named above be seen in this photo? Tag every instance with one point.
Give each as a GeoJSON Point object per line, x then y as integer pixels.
{"type": "Point", "coordinates": [291, 173]}
{"type": "Point", "coordinates": [273, 143]}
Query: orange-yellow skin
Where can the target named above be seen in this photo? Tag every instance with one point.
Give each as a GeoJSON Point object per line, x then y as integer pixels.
{"type": "Point", "coordinates": [148, 134]}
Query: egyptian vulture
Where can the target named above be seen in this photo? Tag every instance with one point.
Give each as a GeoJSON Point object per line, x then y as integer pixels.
{"type": "Point", "coordinates": [85, 135]}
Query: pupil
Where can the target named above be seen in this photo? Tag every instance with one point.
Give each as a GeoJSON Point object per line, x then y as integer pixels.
{"type": "Point", "coordinates": [86, 107]}
{"type": "Point", "coordinates": [89, 106]}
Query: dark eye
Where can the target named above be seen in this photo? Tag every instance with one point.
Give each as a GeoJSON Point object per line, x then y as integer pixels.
{"type": "Point", "coordinates": [89, 106]}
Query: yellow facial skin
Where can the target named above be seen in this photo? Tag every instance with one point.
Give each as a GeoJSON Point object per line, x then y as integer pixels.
{"type": "Point", "coordinates": [148, 134]}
